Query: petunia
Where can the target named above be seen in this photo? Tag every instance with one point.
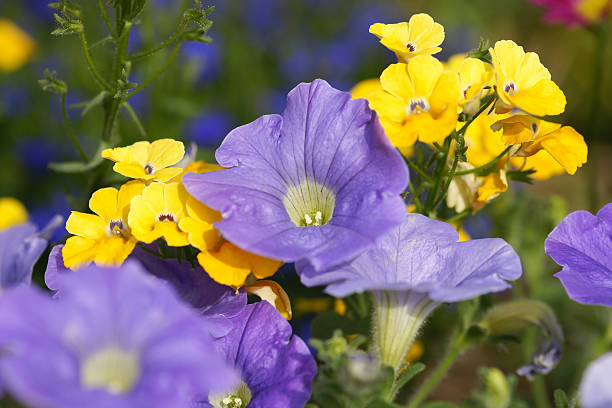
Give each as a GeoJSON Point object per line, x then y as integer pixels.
{"type": "Point", "coordinates": [113, 337]}
{"type": "Point", "coordinates": [20, 248]}
{"type": "Point", "coordinates": [147, 161]}
{"type": "Point", "coordinates": [418, 101]}
{"type": "Point", "coordinates": [419, 36]}
{"type": "Point", "coordinates": [595, 391]}
{"type": "Point", "coordinates": [582, 245]}
{"type": "Point", "coordinates": [216, 303]}
{"type": "Point", "coordinates": [411, 270]}
{"type": "Point", "coordinates": [523, 82]}
{"type": "Point", "coordinates": [104, 237]}
{"type": "Point", "coordinates": [276, 368]}
{"type": "Point", "coordinates": [320, 183]}
{"type": "Point", "coordinates": [563, 143]}
{"type": "Point", "coordinates": [16, 45]}
{"type": "Point", "coordinates": [13, 212]}
{"type": "Point", "coordinates": [156, 213]}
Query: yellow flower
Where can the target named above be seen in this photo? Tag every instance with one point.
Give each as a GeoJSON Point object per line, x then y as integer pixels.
{"type": "Point", "coordinates": [13, 212]}
{"type": "Point", "coordinates": [230, 265]}
{"type": "Point", "coordinates": [474, 76]}
{"type": "Point", "coordinates": [563, 143]}
{"type": "Point", "coordinates": [157, 213]}
{"type": "Point", "coordinates": [492, 185]}
{"type": "Point", "coordinates": [523, 82]}
{"type": "Point", "coordinates": [274, 294]}
{"type": "Point", "coordinates": [198, 224]}
{"type": "Point", "coordinates": [592, 10]}
{"type": "Point", "coordinates": [103, 237]}
{"type": "Point", "coordinates": [17, 46]}
{"type": "Point", "coordinates": [365, 88]}
{"type": "Point", "coordinates": [418, 101]}
{"type": "Point", "coordinates": [419, 36]}
{"type": "Point", "coordinates": [147, 161]}
{"type": "Point", "coordinates": [543, 163]}
{"type": "Point", "coordinates": [196, 167]}
{"type": "Point", "coordinates": [483, 143]}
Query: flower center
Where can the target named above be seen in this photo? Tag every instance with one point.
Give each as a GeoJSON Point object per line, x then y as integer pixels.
{"type": "Point", "coordinates": [510, 88]}
{"type": "Point", "coordinates": [411, 47]}
{"type": "Point", "coordinates": [112, 369]}
{"type": "Point", "coordinates": [238, 398]}
{"type": "Point", "coordinates": [534, 128]}
{"type": "Point", "coordinates": [149, 169]}
{"type": "Point", "coordinates": [417, 105]}
{"type": "Point", "coordinates": [309, 204]}
{"type": "Point", "coordinates": [116, 228]}
{"type": "Point", "coordinates": [166, 218]}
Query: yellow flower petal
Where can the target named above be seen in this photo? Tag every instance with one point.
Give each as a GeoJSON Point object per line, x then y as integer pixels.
{"type": "Point", "coordinates": [424, 32]}
{"type": "Point", "coordinates": [166, 152]}
{"type": "Point", "coordinates": [387, 106]}
{"type": "Point", "coordinates": [542, 162]}
{"type": "Point", "coordinates": [424, 72]}
{"type": "Point", "coordinates": [365, 88]}
{"type": "Point", "coordinates": [226, 266]}
{"type": "Point", "coordinates": [128, 191]}
{"type": "Point", "coordinates": [396, 81]}
{"type": "Point", "coordinates": [114, 251]}
{"type": "Point", "coordinates": [199, 225]}
{"type": "Point", "coordinates": [104, 203]}
{"type": "Point", "coordinates": [79, 251]}
{"type": "Point", "coordinates": [483, 143]}
{"type": "Point", "coordinates": [86, 225]}
{"type": "Point", "coordinates": [543, 98]}
{"type": "Point", "coordinates": [493, 185]}
{"type": "Point", "coordinates": [274, 294]}
{"type": "Point", "coordinates": [17, 46]}
{"type": "Point", "coordinates": [565, 145]}
{"type": "Point", "coordinates": [13, 212]}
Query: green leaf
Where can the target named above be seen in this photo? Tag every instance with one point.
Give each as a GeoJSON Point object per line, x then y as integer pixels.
{"type": "Point", "coordinates": [50, 83]}
{"type": "Point", "coordinates": [80, 167]}
{"type": "Point", "coordinates": [408, 374]}
{"type": "Point", "coordinates": [89, 105]}
{"type": "Point", "coordinates": [561, 400]}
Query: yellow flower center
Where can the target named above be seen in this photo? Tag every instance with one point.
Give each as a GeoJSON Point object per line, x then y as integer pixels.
{"type": "Point", "coordinates": [510, 88]}
{"type": "Point", "coordinates": [112, 369]}
{"type": "Point", "coordinates": [238, 398]}
{"type": "Point", "coordinates": [417, 105]}
{"type": "Point", "coordinates": [149, 169]}
{"type": "Point", "coordinates": [309, 204]}
{"type": "Point", "coordinates": [411, 47]}
{"type": "Point", "coordinates": [166, 218]}
{"type": "Point", "coordinates": [116, 228]}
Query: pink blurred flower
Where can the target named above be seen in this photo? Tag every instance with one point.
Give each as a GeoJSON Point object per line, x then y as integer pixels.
{"type": "Point", "coordinates": [574, 13]}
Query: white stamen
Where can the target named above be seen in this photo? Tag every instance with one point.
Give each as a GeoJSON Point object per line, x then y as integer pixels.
{"type": "Point", "coordinates": [318, 218]}
{"type": "Point", "coordinates": [227, 400]}
{"type": "Point", "coordinates": [308, 219]}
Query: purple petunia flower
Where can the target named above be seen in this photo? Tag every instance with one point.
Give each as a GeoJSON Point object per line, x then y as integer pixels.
{"type": "Point", "coordinates": [411, 270]}
{"type": "Point", "coordinates": [320, 183]}
{"type": "Point", "coordinates": [276, 368]}
{"type": "Point", "coordinates": [20, 248]}
{"type": "Point", "coordinates": [114, 337]}
{"type": "Point", "coordinates": [582, 244]}
{"type": "Point", "coordinates": [595, 391]}
{"type": "Point", "coordinates": [216, 303]}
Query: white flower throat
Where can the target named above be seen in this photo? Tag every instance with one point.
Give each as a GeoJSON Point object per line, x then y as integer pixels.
{"type": "Point", "coordinates": [309, 204]}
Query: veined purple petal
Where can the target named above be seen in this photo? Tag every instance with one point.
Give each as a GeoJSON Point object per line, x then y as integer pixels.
{"type": "Point", "coordinates": [323, 145]}
{"type": "Point", "coordinates": [20, 248]}
{"type": "Point", "coordinates": [582, 244]}
{"type": "Point", "coordinates": [423, 255]}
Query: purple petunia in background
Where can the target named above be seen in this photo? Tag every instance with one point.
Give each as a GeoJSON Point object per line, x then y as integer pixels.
{"type": "Point", "coordinates": [113, 337]}
{"type": "Point", "coordinates": [276, 368]}
{"type": "Point", "coordinates": [595, 391]}
{"type": "Point", "coordinates": [319, 183]}
{"type": "Point", "coordinates": [582, 245]}
{"type": "Point", "coordinates": [411, 270]}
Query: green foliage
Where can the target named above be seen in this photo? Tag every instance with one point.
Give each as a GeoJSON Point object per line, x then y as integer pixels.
{"type": "Point", "coordinates": [482, 52]}
{"type": "Point", "coordinates": [50, 83]}
{"type": "Point", "coordinates": [562, 401]}
{"type": "Point", "coordinates": [497, 391]}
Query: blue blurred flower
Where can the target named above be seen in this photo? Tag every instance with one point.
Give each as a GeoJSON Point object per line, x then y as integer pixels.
{"type": "Point", "coordinates": [14, 101]}
{"type": "Point", "coordinates": [209, 129]}
{"type": "Point", "coordinates": [205, 57]}
{"type": "Point", "coordinates": [35, 154]}
{"type": "Point", "coordinates": [41, 215]}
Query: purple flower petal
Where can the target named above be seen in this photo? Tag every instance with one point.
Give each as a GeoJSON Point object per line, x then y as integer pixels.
{"type": "Point", "coordinates": [20, 248]}
{"type": "Point", "coordinates": [423, 255]}
{"type": "Point", "coordinates": [582, 244]}
{"type": "Point", "coordinates": [50, 341]}
{"type": "Point", "coordinates": [323, 145]}
{"type": "Point", "coordinates": [595, 391]}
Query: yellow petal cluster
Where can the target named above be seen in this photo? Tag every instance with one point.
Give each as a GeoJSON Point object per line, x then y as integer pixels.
{"type": "Point", "coordinates": [17, 46]}
{"type": "Point", "coordinates": [13, 212]}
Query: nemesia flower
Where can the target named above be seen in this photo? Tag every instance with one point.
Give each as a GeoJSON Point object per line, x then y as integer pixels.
{"type": "Point", "coordinates": [595, 389]}
{"type": "Point", "coordinates": [313, 184]}
{"type": "Point", "coordinates": [563, 143]}
{"type": "Point", "coordinates": [156, 213]}
{"type": "Point", "coordinates": [574, 12]}
{"type": "Point", "coordinates": [276, 368]}
{"type": "Point", "coordinates": [419, 36]}
{"type": "Point", "coordinates": [582, 244]}
{"type": "Point", "coordinates": [112, 338]}
{"type": "Point", "coordinates": [20, 248]}
{"type": "Point", "coordinates": [16, 45]}
{"type": "Point", "coordinates": [147, 161]}
{"type": "Point", "coordinates": [544, 164]}
{"type": "Point", "coordinates": [103, 237]}
{"type": "Point", "coordinates": [13, 212]}
{"type": "Point", "coordinates": [418, 101]}
{"type": "Point", "coordinates": [411, 270]}
{"type": "Point", "coordinates": [523, 82]}
{"type": "Point", "coordinates": [474, 76]}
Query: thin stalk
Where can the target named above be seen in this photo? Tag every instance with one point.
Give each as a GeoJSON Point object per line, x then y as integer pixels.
{"type": "Point", "coordinates": [73, 136]}
{"type": "Point", "coordinates": [144, 248]}
{"type": "Point", "coordinates": [431, 195]}
{"type": "Point", "coordinates": [90, 63]}
{"type": "Point", "coordinates": [449, 179]}
{"type": "Point", "coordinates": [421, 173]}
{"type": "Point", "coordinates": [106, 20]}
{"type": "Point", "coordinates": [100, 42]}
{"type": "Point", "coordinates": [486, 165]}
{"type": "Point", "coordinates": [134, 117]}
{"type": "Point", "coordinates": [455, 348]}
{"type": "Point", "coordinates": [156, 74]}
{"type": "Point", "coordinates": [160, 46]}
{"type": "Point", "coordinates": [482, 109]}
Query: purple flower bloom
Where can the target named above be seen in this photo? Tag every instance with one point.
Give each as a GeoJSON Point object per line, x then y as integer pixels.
{"type": "Point", "coordinates": [112, 338]}
{"type": "Point", "coordinates": [276, 368]}
{"type": "Point", "coordinates": [595, 391]}
{"type": "Point", "coordinates": [582, 244]}
{"type": "Point", "coordinates": [411, 270]}
{"type": "Point", "coordinates": [20, 248]}
{"type": "Point", "coordinates": [216, 303]}
{"type": "Point", "coordinates": [320, 183]}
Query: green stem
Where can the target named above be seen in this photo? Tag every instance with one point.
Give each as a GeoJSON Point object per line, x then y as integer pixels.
{"type": "Point", "coordinates": [455, 348]}
{"type": "Point", "coordinates": [100, 42]}
{"type": "Point", "coordinates": [156, 74]}
{"type": "Point", "coordinates": [486, 165]}
{"type": "Point", "coordinates": [134, 117]}
{"type": "Point", "coordinates": [431, 195]}
{"type": "Point", "coordinates": [540, 394]}
{"type": "Point", "coordinates": [106, 20]}
{"type": "Point", "coordinates": [160, 46]}
{"type": "Point", "coordinates": [419, 171]}
{"type": "Point", "coordinates": [90, 63]}
{"type": "Point", "coordinates": [449, 179]}
{"type": "Point", "coordinates": [489, 99]}
{"type": "Point", "coordinates": [73, 136]}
